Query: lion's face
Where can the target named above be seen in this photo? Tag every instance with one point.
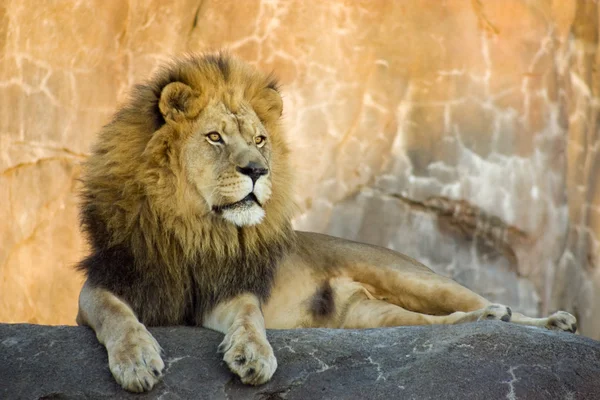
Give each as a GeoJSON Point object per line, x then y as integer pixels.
{"type": "Point", "coordinates": [227, 160]}
{"type": "Point", "coordinates": [224, 138]}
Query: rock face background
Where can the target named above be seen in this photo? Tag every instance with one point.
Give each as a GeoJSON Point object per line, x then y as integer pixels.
{"type": "Point", "coordinates": [464, 134]}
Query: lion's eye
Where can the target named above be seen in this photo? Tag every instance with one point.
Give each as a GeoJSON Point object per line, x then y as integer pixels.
{"type": "Point", "coordinates": [214, 137]}
{"type": "Point", "coordinates": [260, 141]}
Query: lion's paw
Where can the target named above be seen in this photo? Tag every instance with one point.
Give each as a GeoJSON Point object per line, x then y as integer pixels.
{"type": "Point", "coordinates": [496, 312]}
{"type": "Point", "coordinates": [248, 355]}
{"type": "Point", "coordinates": [135, 361]}
{"type": "Point", "coordinates": [562, 321]}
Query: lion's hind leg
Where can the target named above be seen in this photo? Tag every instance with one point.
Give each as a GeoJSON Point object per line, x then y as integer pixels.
{"type": "Point", "coordinates": [559, 321]}
{"type": "Point", "coordinates": [426, 298]}
{"type": "Point", "coordinates": [420, 291]}
{"type": "Point", "coordinates": [358, 308]}
{"type": "Point", "coordinates": [133, 354]}
{"type": "Point", "coordinates": [373, 313]}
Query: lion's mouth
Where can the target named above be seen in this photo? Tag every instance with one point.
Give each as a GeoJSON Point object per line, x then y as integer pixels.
{"type": "Point", "coordinates": [246, 202]}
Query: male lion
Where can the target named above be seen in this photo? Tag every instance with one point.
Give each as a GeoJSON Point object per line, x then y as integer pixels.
{"type": "Point", "coordinates": [187, 204]}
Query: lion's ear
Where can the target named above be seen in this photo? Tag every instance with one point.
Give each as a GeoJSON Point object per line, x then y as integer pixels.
{"type": "Point", "coordinates": [268, 105]}
{"type": "Point", "coordinates": [179, 102]}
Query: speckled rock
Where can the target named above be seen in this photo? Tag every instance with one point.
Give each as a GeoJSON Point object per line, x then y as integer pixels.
{"type": "Point", "coordinates": [488, 360]}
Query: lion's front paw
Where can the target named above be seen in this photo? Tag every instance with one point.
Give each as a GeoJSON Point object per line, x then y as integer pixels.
{"type": "Point", "coordinates": [249, 355]}
{"type": "Point", "coordinates": [134, 359]}
{"type": "Point", "coordinates": [496, 312]}
{"type": "Point", "coordinates": [562, 321]}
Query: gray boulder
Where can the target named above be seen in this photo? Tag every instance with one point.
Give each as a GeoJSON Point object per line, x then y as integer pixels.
{"type": "Point", "coordinates": [486, 360]}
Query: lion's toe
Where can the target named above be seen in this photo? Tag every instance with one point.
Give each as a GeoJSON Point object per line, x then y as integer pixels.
{"type": "Point", "coordinates": [258, 371]}
{"type": "Point", "coordinates": [496, 312]}
{"type": "Point", "coordinates": [250, 358]}
{"type": "Point", "coordinates": [135, 361]}
{"type": "Point", "coordinates": [562, 321]}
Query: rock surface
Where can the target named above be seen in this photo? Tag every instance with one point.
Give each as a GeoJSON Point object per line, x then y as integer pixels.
{"type": "Point", "coordinates": [487, 360]}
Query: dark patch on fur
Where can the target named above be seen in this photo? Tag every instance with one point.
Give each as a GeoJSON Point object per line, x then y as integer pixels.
{"type": "Point", "coordinates": [221, 62]}
{"type": "Point", "coordinates": [273, 83]}
{"type": "Point", "coordinates": [322, 303]}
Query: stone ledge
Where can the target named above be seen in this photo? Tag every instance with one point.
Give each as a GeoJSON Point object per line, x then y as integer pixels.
{"type": "Point", "coordinates": [487, 360]}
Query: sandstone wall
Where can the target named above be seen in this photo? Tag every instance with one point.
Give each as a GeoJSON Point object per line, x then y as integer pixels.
{"type": "Point", "coordinates": [463, 133]}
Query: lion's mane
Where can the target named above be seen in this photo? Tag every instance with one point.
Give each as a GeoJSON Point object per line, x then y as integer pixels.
{"type": "Point", "coordinates": [170, 264]}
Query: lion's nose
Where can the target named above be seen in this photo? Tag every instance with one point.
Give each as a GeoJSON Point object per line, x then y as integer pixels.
{"type": "Point", "coordinates": [253, 170]}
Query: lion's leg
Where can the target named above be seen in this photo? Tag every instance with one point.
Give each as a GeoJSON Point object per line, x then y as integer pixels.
{"type": "Point", "coordinates": [246, 350]}
{"type": "Point", "coordinates": [369, 313]}
{"type": "Point", "coordinates": [429, 293]}
{"type": "Point", "coordinates": [420, 291]}
{"type": "Point", "coordinates": [361, 310]}
{"type": "Point", "coordinates": [133, 354]}
{"type": "Point", "coordinates": [559, 321]}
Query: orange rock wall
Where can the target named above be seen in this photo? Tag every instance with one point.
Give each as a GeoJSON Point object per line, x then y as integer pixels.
{"type": "Point", "coordinates": [491, 102]}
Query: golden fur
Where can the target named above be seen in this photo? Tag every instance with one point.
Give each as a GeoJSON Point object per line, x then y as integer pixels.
{"type": "Point", "coordinates": [187, 205]}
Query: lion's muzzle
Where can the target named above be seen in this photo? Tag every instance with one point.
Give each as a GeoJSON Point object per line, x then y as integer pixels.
{"type": "Point", "coordinates": [254, 170]}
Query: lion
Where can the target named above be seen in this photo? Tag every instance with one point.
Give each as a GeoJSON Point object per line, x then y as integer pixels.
{"type": "Point", "coordinates": [187, 206]}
